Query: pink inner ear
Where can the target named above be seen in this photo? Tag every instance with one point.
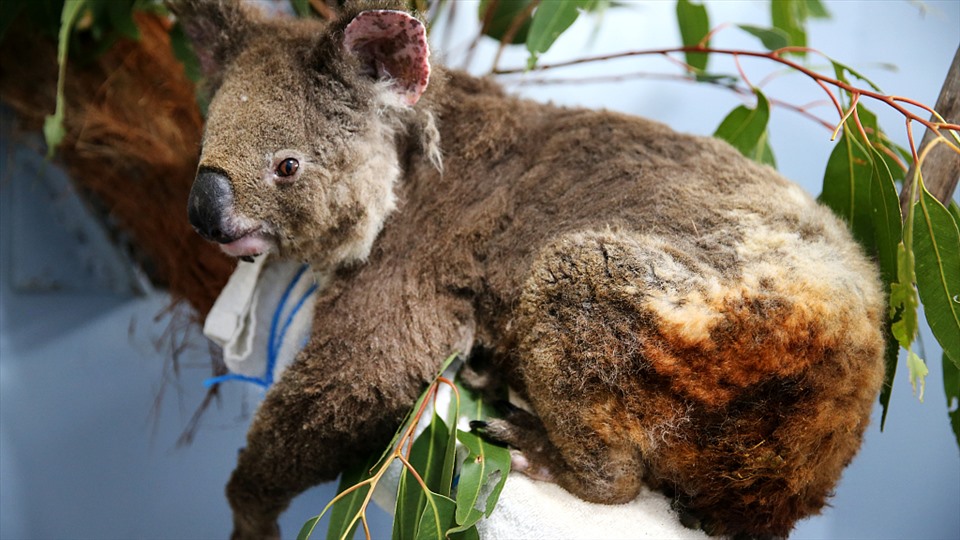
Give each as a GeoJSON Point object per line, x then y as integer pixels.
{"type": "Point", "coordinates": [394, 45]}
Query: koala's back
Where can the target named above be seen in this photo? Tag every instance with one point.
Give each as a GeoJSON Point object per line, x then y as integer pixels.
{"type": "Point", "coordinates": [675, 314]}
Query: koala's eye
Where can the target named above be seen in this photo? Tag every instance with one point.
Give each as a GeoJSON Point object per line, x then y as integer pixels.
{"type": "Point", "coordinates": [288, 167]}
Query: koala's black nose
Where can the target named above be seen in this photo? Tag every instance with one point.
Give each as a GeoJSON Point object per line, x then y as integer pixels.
{"type": "Point", "coordinates": [209, 197]}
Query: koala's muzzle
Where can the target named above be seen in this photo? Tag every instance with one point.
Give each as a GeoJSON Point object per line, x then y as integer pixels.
{"type": "Point", "coordinates": [210, 197]}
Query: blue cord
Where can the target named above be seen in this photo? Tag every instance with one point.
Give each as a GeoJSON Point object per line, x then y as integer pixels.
{"type": "Point", "coordinates": [275, 340]}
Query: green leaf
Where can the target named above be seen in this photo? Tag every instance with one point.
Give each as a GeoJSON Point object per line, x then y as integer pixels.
{"type": "Point", "coordinates": [888, 230]}
{"type": "Point", "coordinates": [416, 407]}
{"type": "Point", "coordinates": [789, 17]}
{"type": "Point", "coordinates": [427, 456]}
{"type": "Point", "coordinates": [450, 454]}
{"type": "Point", "coordinates": [468, 533]}
{"type": "Point", "coordinates": [886, 218]}
{"type": "Point", "coordinates": [817, 10]}
{"type": "Point", "coordinates": [772, 38]}
{"type": "Point", "coordinates": [694, 26]}
{"type": "Point", "coordinates": [184, 52]}
{"type": "Point", "coordinates": [746, 130]}
{"type": "Point", "coordinates": [550, 19]}
{"type": "Point", "coordinates": [954, 212]}
{"type": "Point", "coordinates": [485, 463]}
{"type": "Point", "coordinates": [763, 153]}
{"type": "Point", "coordinates": [951, 387]}
{"type": "Point", "coordinates": [936, 250]}
{"type": "Point", "coordinates": [120, 17]}
{"type": "Point", "coordinates": [505, 12]}
{"type": "Point", "coordinates": [346, 509]}
{"type": "Point", "coordinates": [842, 70]}
{"type": "Point", "coordinates": [846, 184]}
{"type": "Point", "coordinates": [903, 299]}
{"type": "Point", "coordinates": [474, 406]}
{"type": "Point", "coordinates": [308, 528]}
{"type": "Point", "coordinates": [716, 78]}
{"type": "Point", "coordinates": [301, 7]}
{"type": "Point", "coordinates": [53, 130]}
{"type": "Point", "coordinates": [437, 517]}
{"type": "Point", "coordinates": [918, 373]}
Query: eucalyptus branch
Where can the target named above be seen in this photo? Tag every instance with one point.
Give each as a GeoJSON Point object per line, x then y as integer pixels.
{"type": "Point", "coordinates": [776, 56]}
{"type": "Point", "coordinates": [397, 453]}
{"type": "Point", "coordinates": [803, 110]}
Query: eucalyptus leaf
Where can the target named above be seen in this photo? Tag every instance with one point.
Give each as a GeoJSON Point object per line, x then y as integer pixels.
{"type": "Point", "coordinates": [346, 509]}
{"type": "Point", "coordinates": [789, 16]}
{"type": "Point", "coordinates": [485, 463]}
{"type": "Point", "coordinates": [551, 19]}
{"type": "Point", "coordinates": [951, 388]}
{"type": "Point", "coordinates": [888, 230]}
{"type": "Point", "coordinates": [467, 533]}
{"type": "Point", "coordinates": [936, 249]}
{"type": "Point", "coordinates": [437, 518]}
{"type": "Point", "coordinates": [416, 407]}
{"type": "Point", "coordinates": [717, 78]}
{"type": "Point", "coordinates": [120, 16]}
{"type": "Point", "coordinates": [903, 299]}
{"type": "Point", "coordinates": [746, 130]}
{"type": "Point", "coordinates": [846, 185]}
{"type": "Point", "coordinates": [53, 130]}
{"type": "Point", "coordinates": [428, 457]}
{"type": "Point", "coordinates": [842, 70]}
{"type": "Point", "coordinates": [886, 218]}
{"type": "Point", "coordinates": [763, 153]}
{"type": "Point", "coordinates": [307, 529]}
{"type": "Point", "coordinates": [502, 18]}
{"type": "Point", "coordinates": [954, 212]}
{"type": "Point", "coordinates": [816, 10]}
{"type": "Point", "coordinates": [918, 373]}
{"type": "Point", "coordinates": [694, 26]}
{"type": "Point", "coordinates": [772, 38]}
{"type": "Point", "coordinates": [450, 454]}
{"type": "Point", "coordinates": [301, 7]}
{"type": "Point", "coordinates": [183, 50]}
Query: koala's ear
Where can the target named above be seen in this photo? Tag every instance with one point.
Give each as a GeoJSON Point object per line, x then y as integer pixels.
{"type": "Point", "coordinates": [216, 28]}
{"type": "Point", "coordinates": [391, 45]}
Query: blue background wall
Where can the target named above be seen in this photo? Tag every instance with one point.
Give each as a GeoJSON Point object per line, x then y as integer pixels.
{"type": "Point", "coordinates": [90, 409]}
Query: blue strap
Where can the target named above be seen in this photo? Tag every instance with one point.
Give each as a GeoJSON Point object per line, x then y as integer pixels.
{"type": "Point", "coordinates": [275, 340]}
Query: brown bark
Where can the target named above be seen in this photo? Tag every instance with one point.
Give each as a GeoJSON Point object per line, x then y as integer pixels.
{"type": "Point", "coordinates": [941, 168]}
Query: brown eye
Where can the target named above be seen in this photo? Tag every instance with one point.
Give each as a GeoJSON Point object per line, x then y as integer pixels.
{"type": "Point", "coordinates": [288, 167]}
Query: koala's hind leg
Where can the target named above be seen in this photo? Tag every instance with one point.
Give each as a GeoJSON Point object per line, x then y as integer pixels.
{"type": "Point", "coordinates": [658, 360]}
{"type": "Point", "coordinates": [579, 334]}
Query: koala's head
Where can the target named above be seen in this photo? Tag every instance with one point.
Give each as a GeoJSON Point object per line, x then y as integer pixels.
{"type": "Point", "coordinates": [300, 151]}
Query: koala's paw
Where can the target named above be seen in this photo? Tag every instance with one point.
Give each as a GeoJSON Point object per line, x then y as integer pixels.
{"type": "Point", "coordinates": [531, 451]}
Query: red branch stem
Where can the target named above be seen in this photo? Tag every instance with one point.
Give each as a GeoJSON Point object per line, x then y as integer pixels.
{"type": "Point", "coordinates": [892, 101]}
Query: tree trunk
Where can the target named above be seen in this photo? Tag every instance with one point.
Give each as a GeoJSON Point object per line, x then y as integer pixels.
{"type": "Point", "coordinates": [941, 168]}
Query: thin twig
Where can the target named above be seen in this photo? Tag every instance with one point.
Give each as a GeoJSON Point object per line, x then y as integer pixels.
{"type": "Point", "coordinates": [602, 79]}
{"type": "Point", "coordinates": [892, 101]}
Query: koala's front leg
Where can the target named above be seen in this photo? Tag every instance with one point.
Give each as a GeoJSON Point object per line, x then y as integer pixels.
{"type": "Point", "coordinates": [370, 356]}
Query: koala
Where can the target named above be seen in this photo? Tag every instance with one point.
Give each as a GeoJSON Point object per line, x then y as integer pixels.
{"type": "Point", "coordinates": [675, 315]}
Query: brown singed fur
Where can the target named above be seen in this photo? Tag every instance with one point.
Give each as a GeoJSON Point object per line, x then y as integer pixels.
{"type": "Point", "coordinates": [675, 314]}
